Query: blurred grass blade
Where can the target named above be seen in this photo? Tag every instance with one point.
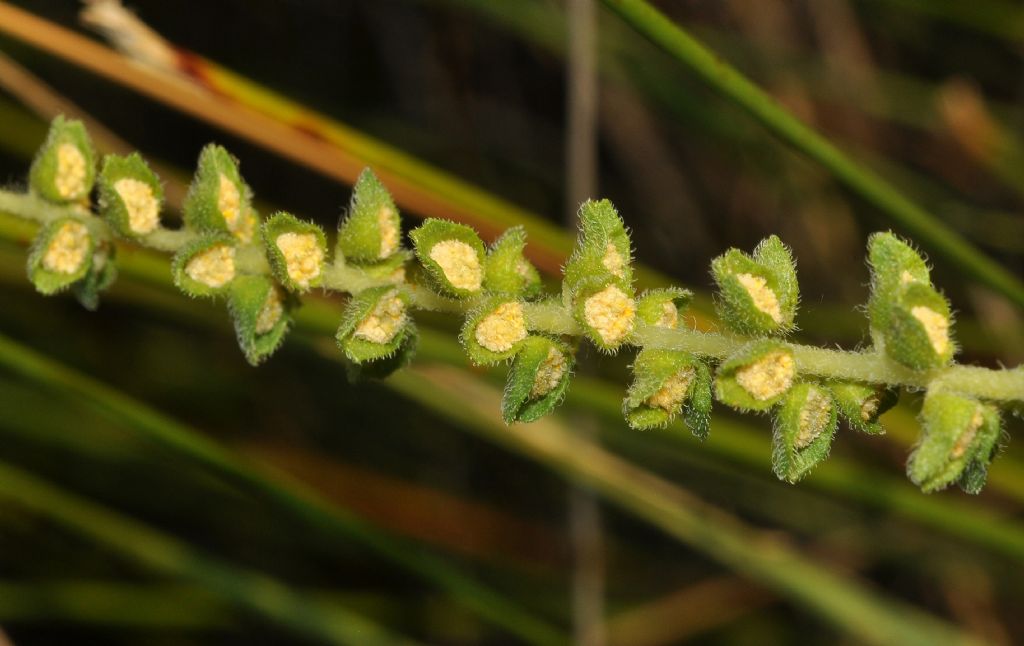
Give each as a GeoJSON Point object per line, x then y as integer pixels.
{"type": "Point", "coordinates": [254, 592]}
{"type": "Point", "coordinates": [925, 228]}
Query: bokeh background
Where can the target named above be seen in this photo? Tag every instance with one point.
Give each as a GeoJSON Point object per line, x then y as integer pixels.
{"type": "Point", "coordinates": [928, 94]}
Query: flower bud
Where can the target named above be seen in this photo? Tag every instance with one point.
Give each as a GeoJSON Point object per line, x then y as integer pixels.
{"type": "Point", "coordinates": [65, 167]}
{"type": "Point", "coordinates": [959, 440]}
{"type": "Point", "coordinates": [452, 255]}
{"type": "Point", "coordinates": [664, 383]}
{"type": "Point", "coordinates": [101, 275]}
{"type": "Point", "coordinates": [372, 230]}
{"type": "Point", "coordinates": [205, 266]}
{"type": "Point", "coordinates": [375, 325]}
{"type": "Point", "coordinates": [663, 307]}
{"type": "Point", "coordinates": [606, 311]}
{"type": "Point", "coordinates": [861, 405]}
{"type": "Point", "coordinates": [603, 250]}
{"type": "Point", "coordinates": [259, 310]}
{"type": "Point", "coordinates": [130, 195]}
{"type": "Point", "coordinates": [757, 376]}
{"type": "Point", "coordinates": [218, 199]}
{"type": "Point", "coordinates": [296, 251]}
{"type": "Point", "coordinates": [494, 330]}
{"type": "Point", "coordinates": [804, 427]}
{"type": "Point", "coordinates": [537, 380]}
{"type": "Point", "coordinates": [61, 255]}
{"type": "Point", "coordinates": [758, 294]}
{"type": "Point", "coordinates": [507, 271]}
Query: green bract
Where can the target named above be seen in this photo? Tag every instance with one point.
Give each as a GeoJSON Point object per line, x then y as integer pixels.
{"type": "Point", "coordinates": [372, 230]}
{"type": "Point", "coordinates": [297, 251]}
{"type": "Point", "coordinates": [507, 271]}
{"type": "Point", "coordinates": [205, 266]}
{"type": "Point", "coordinates": [494, 330]}
{"type": "Point", "coordinates": [804, 427]}
{"type": "Point", "coordinates": [606, 311]}
{"type": "Point", "coordinates": [260, 312]}
{"type": "Point", "coordinates": [452, 255]}
{"type": "Point", "coordinates": [603, 251]}
{"type": "Point", "coordinates": [861, 405]}
{"type": "Point", "coordinates": [537, 380]}
{"type": "Point", "coordinates": [665, 382]}
{"type": "Point", "coordinates": [65, 166]}
{"type": "Point", "coordinates": [130, 195]}
{"type": "Point", "coordinates": [663, 307]}
{"type": "Point", "coordinates": [101, 275]}
{"type": "Point", "coordinates": [218, 199]}
{"type": "Point", "coordinates": [758, 294]}
{"type": "Point", "coordinates": [756, 377]}
{"type": "Point", "coordinates": [391, 269]}
{"type": "Point", "coordinates": [375, 325]}
{"type": "Point", "coordinates": [61, 255]}
{"type": "Point", "coordinates": [959, 440]}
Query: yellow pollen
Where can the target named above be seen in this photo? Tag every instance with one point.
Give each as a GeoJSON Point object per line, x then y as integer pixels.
{"type": "Point", "coordinates": [610, 313]}
{"type": "Point", "coordinates": [270, 313]}
{"type": "Point", "coordinates": [672, 393]}
{"type": "Point", "coordinates": [814, 417]}
{"type": "Point", "coordinates": [385, 319]}
{"type": "Point", "coordinates": [669, 316]}
{"type": "Point", "coordinates": [303, 256]}
{"type": "Point", "coordinates": [613, 261]}
{"type": "Point", "coordinates": [906, 278]}
{"type": "Point", "coordinates": [763, 296]}
{"type": "Point", "coordinates": [460, 264]}
{"type": "Point", "coordinates": [68, 248]}
{"type": "Point", "coordinates": [500, 330]}
{"type": "Point", "coordinates": [214, 267]}
{"type": "Point", "coordinates": [769, 376]}
{"type": "Point", "coordinates": [71, 172]}
{"type": "Point", "coordinates": [388, 231]}
{"type": "Point", "coordinates": [140, 203]}
{"type": "Point", "coordinates": [869, 408]}
{"type": "Point", "coordinates": [967, 437]}
{"type": "Point", "coordinates": [229, 201]}
{"type": "Point", "coordinates": [936, 326]}
{"type": "Point", "coordinates": [549, 374]}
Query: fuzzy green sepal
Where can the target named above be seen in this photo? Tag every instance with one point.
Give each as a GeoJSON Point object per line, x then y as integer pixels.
{"type": "Point", "coordinates": [861, 405]}
{"type": "Point", "coordinates": [919, 329]}
{"type": "Point", "coordinates": [758, 294]}
{"type": "Point", "coordinates": [372, 230]}
{"type": "Point", "coordinates": [209, 208]}
{"type": "Point", "coordinates": [756, 377]}
{"type": "Point", "coordinates": [507, 271]}
{"type": "Point", "coordinates": [260, 311]}
{"type": "Point", "coordinates": [391, 269]}
{"type": "Point", "coordinates": [606, 311]}
{"type": "Point", "coordinates": [101, 275]}
{"type": "Point", "coordinates": [130, 195]}
{"type": "Point", "coordinates": [375, 324]}
{"type": "Point", "coordinates": [452, 255]}
{"type": "Point", "coordinates": [894, 265]}
{"type": "Point", "coordinates": [537, 380]}
{"type": "Point", "coordinates": [383, 368]}
{"type": "Point", "coordinates": [603, 250]}
{"type": "Point", "coordinates": [666, 382]}
{"type": "Point", "coordinates": [494, 330]}
{"type": "Point", "coordinates": [957, 432]}
{"type": "Point", "coordinates": [296, 250]}
{"type": "Point", "coordinates": [59, 174]}
{"type": "Point", "coordinates": [804, 427]}
{"type": "Point", "coordinates": [61, 255]}
{"type": "Point", "coordinates": [205, 266]}
{"type": "Point", "coordinates": [663, 307]}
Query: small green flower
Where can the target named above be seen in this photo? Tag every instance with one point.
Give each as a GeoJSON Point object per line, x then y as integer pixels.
{"type": "Point", "coordinates": [507, 271]}
{"type": "Point", "coordinates": [861, 405]}
{"type": "Point", "coordinates": [804, 427]}
{"type": "Point", "coordinates": [605, 310]}
{"type": "Point", "coordinates": [494, 330]}
{"type": "Point", "coordinates": [61, 255]}
{"type": "Point", "coordinates": [375, 325]}
{"type": "Point", "coordinates": [131, 195]}
{"type": "Point", "coordinates": [296, 250]}
{"type": "Point", "coordinates": [537, 380]}
{"type": "Point", "coordinates": [665, 382]}
{"type": "Point", "coordinates": [65, 166]}
{"type": "Point", "coordinates": [663, 307]}
{"type": "Point", "coordinates": [218, 199]}
{"type": "Point", "coordinates": [757, 376]}
{"type": "Point", "coordinates": [205, 266]}
{"type": "Point", "coordinates": [372, 230]}
{"type": "Point", "coordinates": [452, 256]}
{"type": "Point", "coordinates": [603, 251]}
{"type": "Point", "coordinates": [758, 294]}
{"type": "Point", "coordinates": [260, 312]}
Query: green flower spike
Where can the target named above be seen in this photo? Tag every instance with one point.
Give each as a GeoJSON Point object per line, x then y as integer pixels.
{"type": "Point", "coordinates": [662, 307]}
{"type": "Point", "coordinates": [452, 255]}
{"type": "Point", "coordinates": [861, 405]}
{"type": "Point", "coordinates": [537, 380]}
{"type": "Point", "coordinates": [101, 275]}
{"type": "Point", "coordinates": [507, 271]}
{"type": "Point", "coordinates": [259, 310]}
{"type": "Point", "coordinates": [375, 325]}
{"type": "Point", "coordinates": [218, 199]}
{"type": "Point", "coordinates": [130, 195]}
{"type": "Point", "coordinates": [296, 251]}
{"type": "Point", "coordinates": [65, 167]}
{"type": "Point", "coordinates": [758, 294]}
{"type": "Point", "coordinates": [959, 440]}
{"type": "Point", "coordinates": [206, 266]}
{"type": "Point", "coordinates": [494, 330]}
{"type": "Point", "coordinates": [603, 250]}
{"type": "Point", "coordinates": [804, 427]}
{"type": "Point", "coordinates": [372, 231]}
{"type": "Point", "coordinates": [665, 382]}
{"type": "Point", "coordinates": [61, 255]}
{"type": "Point", "coordinates": [756, 377]}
